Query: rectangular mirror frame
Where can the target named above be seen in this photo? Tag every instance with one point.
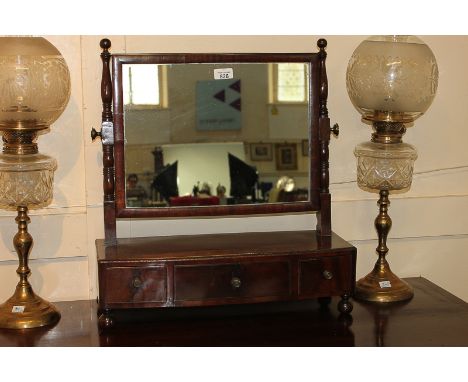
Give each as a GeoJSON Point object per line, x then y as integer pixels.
{"type": "Point", "coordinates": [114, 155]}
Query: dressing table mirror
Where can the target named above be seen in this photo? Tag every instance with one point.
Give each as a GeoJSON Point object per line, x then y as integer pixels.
{"type": "Point", "coordinates": [208, 135]}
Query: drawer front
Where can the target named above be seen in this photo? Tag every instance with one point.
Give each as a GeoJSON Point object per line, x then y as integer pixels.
{"type": "Point", "coordinates": [218, 281]}
{"type": "Point", "coordinates": [325, 276]}
{"type": "Point", "coordinates": [135, 284]}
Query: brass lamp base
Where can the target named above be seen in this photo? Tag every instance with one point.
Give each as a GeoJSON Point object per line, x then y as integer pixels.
{"type": "Point", "coordinates": [382, 285]}
{"type": "Point", "coordinates": [25, 310]}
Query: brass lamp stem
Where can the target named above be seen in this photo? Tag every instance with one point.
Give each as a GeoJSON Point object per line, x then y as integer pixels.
{"type": "Point", "coordinates": [383, 224]}
{"type": "Point", "coordinates": [25, 309]}
{"type": "Point", "coordinates": [382, 285]}
{"type": "Point", "coordinates": [23, 242]}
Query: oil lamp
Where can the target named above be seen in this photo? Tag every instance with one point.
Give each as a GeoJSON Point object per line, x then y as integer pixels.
{"type": "Point", "coordinates": [391, 80]}
{"type": "Point", "coordinates": [34, 90]}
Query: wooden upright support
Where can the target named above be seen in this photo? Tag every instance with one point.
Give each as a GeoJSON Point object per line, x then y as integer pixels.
{"type": "Point", "coordinates": [107, 144]}
{"type": "Point", "coordinates": [324, 215]}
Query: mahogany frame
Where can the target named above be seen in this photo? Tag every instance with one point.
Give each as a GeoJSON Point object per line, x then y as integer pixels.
{"type": "Point", "coordinates": [113, 150]}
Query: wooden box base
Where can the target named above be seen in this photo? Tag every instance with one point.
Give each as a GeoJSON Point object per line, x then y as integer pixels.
{"type": "Point", "coordinates": [220, 269]}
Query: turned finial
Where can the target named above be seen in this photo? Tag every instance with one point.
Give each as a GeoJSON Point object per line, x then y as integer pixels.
{"type": "Point", "coordinates": [105, 44]}
{"type": "Point", "coordinates": [322, 44]}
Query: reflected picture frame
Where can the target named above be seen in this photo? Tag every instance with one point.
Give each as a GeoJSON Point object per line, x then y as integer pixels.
{"type": "Point", "coordinates": [261, 151]}
{"type": "Point", "coordinates": [305, 147]}
{"type": "Point", "coordinates": [286, 156]}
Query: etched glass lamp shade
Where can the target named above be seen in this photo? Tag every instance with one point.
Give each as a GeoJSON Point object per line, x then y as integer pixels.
{"type": "Point", "coordinates": [34, 83]}
{"type": "Point", "coordinates": [392, 78]}
{"type": "Point", "coordinates": [34, 91]}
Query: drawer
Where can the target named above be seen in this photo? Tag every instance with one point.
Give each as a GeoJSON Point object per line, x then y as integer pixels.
{"type": "Point", "coordinates": [218, 281]}
{"type": "Point", "coordinates": [326, 276]}
{"type": "Point", "coordinates": [135, 284]}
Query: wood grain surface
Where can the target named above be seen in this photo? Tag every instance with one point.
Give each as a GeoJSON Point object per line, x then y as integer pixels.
{"type": "Point", "coordinates": [433, 318]}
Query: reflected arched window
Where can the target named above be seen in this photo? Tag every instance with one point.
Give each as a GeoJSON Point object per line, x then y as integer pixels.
{"type": "Point", "coordinates": [144, 86]}
{"type": "Point", "coordinates": [288, 83]}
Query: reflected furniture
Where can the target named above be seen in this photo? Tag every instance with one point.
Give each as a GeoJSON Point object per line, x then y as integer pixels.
{"type": "Point", "coordinates": [178, 201]}
{"type": "Point", "coordinates": [218, 269]}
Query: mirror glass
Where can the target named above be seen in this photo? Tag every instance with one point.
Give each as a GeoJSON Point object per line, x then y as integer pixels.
{"type": "Point", "coordinates": [216, 134]}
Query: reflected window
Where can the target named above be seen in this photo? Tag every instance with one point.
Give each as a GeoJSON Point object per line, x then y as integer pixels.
{"type": "Point", "coordinates": [136, 90]}
{"type": "Point", "coordinates": [288, 83]}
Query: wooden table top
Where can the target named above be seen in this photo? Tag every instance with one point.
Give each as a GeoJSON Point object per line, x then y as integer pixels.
{"type": "Point", "coordinates": [433, 318]}
{"type": "Point", "coordinates": [192, 246]}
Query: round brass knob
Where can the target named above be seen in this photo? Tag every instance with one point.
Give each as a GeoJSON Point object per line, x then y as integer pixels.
{"type": "Point", "coordinates": [136, 282]}
{"type": "Point", "coordinates": [327, 275]}
{"type": "Point", "coordinates": [236, 282]}
{"type": "Point", "coordinates": [335, 130]}
{"type": "Point", "coordinates": [95, 134]}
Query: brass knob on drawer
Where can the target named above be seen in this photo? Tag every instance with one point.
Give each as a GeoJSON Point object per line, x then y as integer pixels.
{"type": "Point", "coordinates": [136, 282]}
{"type": "Point", "coordinates": [327, 275]}
{"type": "Point", "coordinates": [236, 282]}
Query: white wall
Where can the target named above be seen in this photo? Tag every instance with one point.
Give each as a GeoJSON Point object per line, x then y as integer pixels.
{"type": "Point", "coordinates": [430, 222]}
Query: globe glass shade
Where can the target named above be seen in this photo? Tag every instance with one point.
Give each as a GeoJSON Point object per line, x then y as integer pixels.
{"type": "Point", "coordinates": [34, 83]}
{"type": "Point", "coordinates": [392, 78]}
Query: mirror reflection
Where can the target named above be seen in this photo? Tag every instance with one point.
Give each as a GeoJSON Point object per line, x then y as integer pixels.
{"type": "Point", "coordinates": [215, 134]}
